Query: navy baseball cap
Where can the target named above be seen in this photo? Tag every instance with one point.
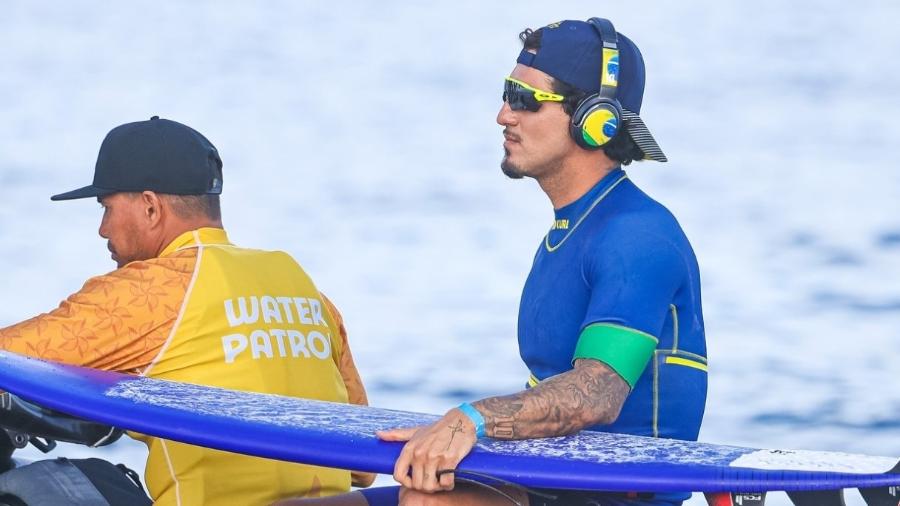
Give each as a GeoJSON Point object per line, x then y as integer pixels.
{"type": "Point", "coordinates": [571, 51]}
{"type": "Point", "coordinates": [157, 155]}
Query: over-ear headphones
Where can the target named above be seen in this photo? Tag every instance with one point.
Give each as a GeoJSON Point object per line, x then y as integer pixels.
{"type": "Point", "coordinates": [598, 117]}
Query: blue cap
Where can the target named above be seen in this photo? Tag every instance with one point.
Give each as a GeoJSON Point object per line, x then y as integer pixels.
{"type": "Point", "coordinates": [572, 51]}
{"type": "Point", "coordinates": [159, 155]}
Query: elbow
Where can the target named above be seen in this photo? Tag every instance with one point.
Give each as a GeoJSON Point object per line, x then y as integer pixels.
{"type": "Point", "coordinates": [606, 416]}
{"type": "Point", "coordinates": [593, 417]}
{"type": "Point", "coordinates": [607, 408]}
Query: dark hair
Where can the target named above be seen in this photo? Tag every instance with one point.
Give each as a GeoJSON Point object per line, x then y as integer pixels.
{"type": "Point", "coordinates": [191, 206]}
{"type": "Point", "coordinates": [622, 148]}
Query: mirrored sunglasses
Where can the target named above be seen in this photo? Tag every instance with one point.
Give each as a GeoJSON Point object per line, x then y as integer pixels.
{"type": "Point", "coordinates": [522, 97]}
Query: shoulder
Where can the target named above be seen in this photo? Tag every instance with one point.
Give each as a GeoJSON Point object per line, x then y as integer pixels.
{"type": "Point", "coordinates": [637, 230]}
{"type": "Point", "coordinates": [331, 308]}
{"type": "Point", "coordinates": [165, 271]}
{"type": "Point", "coordinates": [653, 229]}
{"type": "Point", "coordinates": [137, 291]}
{"type": "Point", "coordinates": [633, 216]}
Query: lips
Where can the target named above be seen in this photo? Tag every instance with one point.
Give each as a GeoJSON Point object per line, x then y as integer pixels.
{"type": "Point", "coordinates": [511, 137]}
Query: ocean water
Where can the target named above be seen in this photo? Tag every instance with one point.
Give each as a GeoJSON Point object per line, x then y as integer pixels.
{"type": "Point", "coordinates": [360, 137]}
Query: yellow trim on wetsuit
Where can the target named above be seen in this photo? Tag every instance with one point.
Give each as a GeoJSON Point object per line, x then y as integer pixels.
{"type": "Point", "coordinates": [602, 196]}
{"type": "Point", "coordinates": [695, 362]}
{"type": "Point", "coordinates": [674, 311]}
{"type": "Point", "coordinates": [686, 362]}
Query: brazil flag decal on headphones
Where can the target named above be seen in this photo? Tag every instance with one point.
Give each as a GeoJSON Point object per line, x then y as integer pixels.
{"type": "Point", "coordinates": [599, 127]}
{"type": "Point", "coordinates": [611, 67]}
{"type": "Point", "coordinates": [597, 117]}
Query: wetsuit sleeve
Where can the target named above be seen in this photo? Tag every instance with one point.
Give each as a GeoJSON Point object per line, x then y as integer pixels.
{"type": "Point", "coordinates": [633, 278]}
{"type": "Point", "coordinates": [118, 321]}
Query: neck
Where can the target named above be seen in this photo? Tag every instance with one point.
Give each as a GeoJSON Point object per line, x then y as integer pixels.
{"type": "Point", "coordinates": [181, 226]}
{"type": "Point", "coordinates": [568, 184]}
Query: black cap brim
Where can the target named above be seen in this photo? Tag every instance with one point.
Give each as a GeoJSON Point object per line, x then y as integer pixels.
{"type": "Point", "coordinates": [641, 136]}
{"type": "Point", "coordinates": [83, 193]}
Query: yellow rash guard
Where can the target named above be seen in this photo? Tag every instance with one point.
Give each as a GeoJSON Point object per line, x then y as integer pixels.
{"type": "Point", "coordinates": [208, 312]}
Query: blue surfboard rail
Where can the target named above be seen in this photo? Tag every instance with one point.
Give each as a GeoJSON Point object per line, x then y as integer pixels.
{"type": "Point", "coordinates": [343, 436]}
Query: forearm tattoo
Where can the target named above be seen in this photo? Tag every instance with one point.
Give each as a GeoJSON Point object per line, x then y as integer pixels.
{"type": "Point", "coordinates": [590, 394]}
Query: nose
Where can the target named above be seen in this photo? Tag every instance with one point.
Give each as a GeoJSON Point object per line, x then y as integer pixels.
{"type": "Point", "coordinates": [104, 233]}
{"type": "Point", "coordinates": [506, 116]}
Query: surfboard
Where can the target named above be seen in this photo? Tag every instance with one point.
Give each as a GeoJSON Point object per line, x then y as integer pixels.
{"type": "Point", "coordinates": [343, 436]}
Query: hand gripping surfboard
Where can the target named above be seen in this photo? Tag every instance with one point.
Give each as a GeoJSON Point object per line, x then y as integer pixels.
{"type": "Point", "coordinates": [343, 436]}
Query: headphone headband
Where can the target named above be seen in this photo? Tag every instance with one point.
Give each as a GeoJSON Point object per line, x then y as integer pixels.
{"type": "Point", "coordinates": [609, 70]}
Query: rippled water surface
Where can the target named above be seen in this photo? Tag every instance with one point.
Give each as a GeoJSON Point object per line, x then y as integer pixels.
{"type": "Point", "coordinates": [360, 137]}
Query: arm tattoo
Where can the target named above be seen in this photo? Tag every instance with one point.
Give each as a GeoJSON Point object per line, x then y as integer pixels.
{"type": "Point", "coordinates": [590, 394]}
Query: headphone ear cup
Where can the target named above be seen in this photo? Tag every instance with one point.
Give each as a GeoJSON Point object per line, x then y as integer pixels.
{"type": "Point", "coordinates": [595, 122]}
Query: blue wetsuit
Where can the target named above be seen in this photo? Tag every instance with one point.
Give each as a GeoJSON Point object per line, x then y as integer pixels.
{"type": "Point", "coordinates": [616, 270]}
{"type": "Point", "coordinates": [617, 267]}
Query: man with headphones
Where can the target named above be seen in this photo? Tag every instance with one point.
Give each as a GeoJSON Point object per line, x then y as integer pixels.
{"type": "Point", "coordinates": [610, 321]}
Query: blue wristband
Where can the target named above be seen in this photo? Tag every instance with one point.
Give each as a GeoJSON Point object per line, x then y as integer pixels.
{"type": "Point", "coordinates": [475, 416]}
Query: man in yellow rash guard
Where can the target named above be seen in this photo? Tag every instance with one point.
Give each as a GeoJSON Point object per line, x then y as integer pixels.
{"type": "Point", "coordinates": [185, 304]}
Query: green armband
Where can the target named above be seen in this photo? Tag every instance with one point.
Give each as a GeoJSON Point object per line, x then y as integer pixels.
{"type": "Point", "coordinates": [627, 351]}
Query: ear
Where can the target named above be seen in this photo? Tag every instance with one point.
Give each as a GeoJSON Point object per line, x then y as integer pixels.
{"type": "Point", "coordinates": [151, 208]}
